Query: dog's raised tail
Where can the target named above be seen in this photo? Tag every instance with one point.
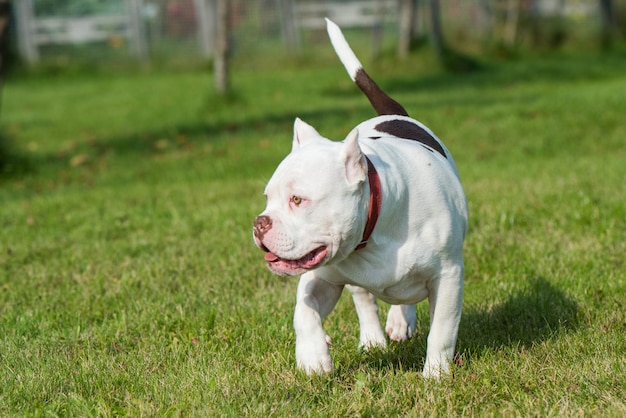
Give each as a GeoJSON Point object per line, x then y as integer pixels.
{"type": "Point", "coordinates": [382, 103]}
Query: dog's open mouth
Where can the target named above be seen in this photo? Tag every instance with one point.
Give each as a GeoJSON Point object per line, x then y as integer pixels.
{"type": "Point", "coordinates": [309, 261]}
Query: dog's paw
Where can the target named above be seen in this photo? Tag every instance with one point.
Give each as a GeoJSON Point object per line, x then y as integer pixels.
{"type": "Point", "coordinates": [372, 336]}
{"type": "Point", "coordinates": [438, 363]}
{"type": "Point", "coordinates": [401, 322]}
{"type": "Point", "coordinates": [376, 340]}
{"type": "Point", "coordinates": [313, 357]}
{"type": "Point", "coordinates": [433, 370]}
{"type": "Point", "coordinates": [321, 365]}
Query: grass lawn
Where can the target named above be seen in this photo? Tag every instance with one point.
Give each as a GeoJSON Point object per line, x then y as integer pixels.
{"type": "Point", "coordinates": [130, 285]}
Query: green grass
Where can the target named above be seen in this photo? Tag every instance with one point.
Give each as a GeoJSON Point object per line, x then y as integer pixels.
{"type": "Point", "coordinates": [129, 283]}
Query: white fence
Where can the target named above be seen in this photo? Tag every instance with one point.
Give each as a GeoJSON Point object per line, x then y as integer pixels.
{"type": "Point", "coordinates": [146, 21]}
{"type": "Point", "coordinates": [131, 26]}
{"type": "Point", "coordinates": [367, 13]}
{"type": "Point", "coordinates": [140, 27]}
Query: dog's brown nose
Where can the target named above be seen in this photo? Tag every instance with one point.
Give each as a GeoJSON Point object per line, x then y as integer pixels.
{"type": "Point", "coordinates": [262, 224]}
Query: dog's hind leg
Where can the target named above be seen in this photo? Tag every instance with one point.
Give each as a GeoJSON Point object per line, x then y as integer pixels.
{"type": "Point", "coordinates": [401, 322]}
{"type": "Point", "coordinates": [371, 333]}
{"type": "Point", "coordinates": [445, 300]}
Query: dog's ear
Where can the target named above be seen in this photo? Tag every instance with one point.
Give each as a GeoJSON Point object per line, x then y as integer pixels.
{"type": "Point", "coordinates": [353, 158]}
{"type": "Point", "coordinates": [303, 134]}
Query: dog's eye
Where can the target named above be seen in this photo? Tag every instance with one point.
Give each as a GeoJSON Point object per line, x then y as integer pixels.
{"type": "Point", "coordinates": [296, 200]}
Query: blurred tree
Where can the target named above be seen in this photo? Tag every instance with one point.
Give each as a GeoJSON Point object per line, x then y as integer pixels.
{"type": "Point", "coordinates": [5, 11]}
{"type": "Point", "coordinates": [407, 18]}
{"type": "Point", "coordinates": [222, 47]}
{"type": "Point", "coordinates": [609, 22]}
{"type": "Point", "coordinates": [436, 33]}
{"type": "Point", "coordinates": [513, 8]}
{"type": "Point", "coordinates": [447, 56]}
{"type": "Point", "coordinates": [291, 34]}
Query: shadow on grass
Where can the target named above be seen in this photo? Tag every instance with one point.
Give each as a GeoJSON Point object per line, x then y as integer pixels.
{"type": "Point", "coordinates": [150, 142]}
{"type": "Point", "coordinates": [12, 162]}
{"type": "Point", "coordinates": [527, 317]}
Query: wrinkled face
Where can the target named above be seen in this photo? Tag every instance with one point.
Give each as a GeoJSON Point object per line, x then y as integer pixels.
{"type": "Point", "coordinates": [314, 212]}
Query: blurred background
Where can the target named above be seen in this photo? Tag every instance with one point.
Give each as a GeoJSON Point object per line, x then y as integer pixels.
{"type": "Point", "coordinates": [66, 33]}
{"type": "Point", "coordinates": [212, 39]}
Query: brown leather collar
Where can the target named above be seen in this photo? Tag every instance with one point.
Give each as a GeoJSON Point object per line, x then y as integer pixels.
{"type": "Point", "coordinates": [376, 199]}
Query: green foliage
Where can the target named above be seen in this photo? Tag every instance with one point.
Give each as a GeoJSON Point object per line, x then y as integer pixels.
{"type": "Point", "coordinates": [129, 283]}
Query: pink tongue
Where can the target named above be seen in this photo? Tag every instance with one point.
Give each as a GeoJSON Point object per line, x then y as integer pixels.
{"type": "Point", "coordinates": [269, 256]}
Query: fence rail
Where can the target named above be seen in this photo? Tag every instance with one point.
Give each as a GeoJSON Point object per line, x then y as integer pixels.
{"type": "Point", "coordinates": [80, 29]}
{"type": "Point", "coordinates": [355, 14]}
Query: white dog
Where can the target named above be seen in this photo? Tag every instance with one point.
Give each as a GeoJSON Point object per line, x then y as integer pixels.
{"type": "Point", "coordinates": [382, 213]}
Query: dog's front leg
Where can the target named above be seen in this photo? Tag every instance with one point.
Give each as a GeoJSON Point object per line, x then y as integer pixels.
{"type": "Point", "coordinates": [315, 299]}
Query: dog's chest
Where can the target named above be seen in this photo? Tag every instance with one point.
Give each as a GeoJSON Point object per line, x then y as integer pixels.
{"type": "Point", "coordinates": [407, 291]}
{"type": "Point", "coordinates": [386, 279]}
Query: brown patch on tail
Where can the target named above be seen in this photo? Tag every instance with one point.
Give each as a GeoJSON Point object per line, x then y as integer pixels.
{"type": "Point", "coordinates": [382, 103]}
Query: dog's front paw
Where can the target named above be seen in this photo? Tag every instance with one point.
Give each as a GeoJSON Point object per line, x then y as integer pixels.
{"type": "Point", "coordinates": [401, 322]}
{"type": "Point", "coordinates": [320, 365]}
{"type": "Point", "coordinates": [314, 357]}
{"type": "Point", "coordinates": [435, 370]}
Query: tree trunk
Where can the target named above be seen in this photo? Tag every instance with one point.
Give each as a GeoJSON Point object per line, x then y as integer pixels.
{"type": "Point", "coordinates": [407, 11]}
{"type": "Point", "coordinates": [436, 33]}
{"type": "Point", "coordinates": [512, 22]}
{"type": "Point", "coordinates": [608, 21]}
{"type": "Point", "coordinates": [138, 31]}
{"type": "Point", "coordinates": [205, 19]}
{"type": "Point", "coordinates": [5, 9]}
{"type": "Point", "coordinates": [291, 34]}
{"type": "Point", "coordinates": [222, 48]}
{"type": "Point", "coordinates": [6, 157]}
{"type": "Point", "coordinates": [485, 18]}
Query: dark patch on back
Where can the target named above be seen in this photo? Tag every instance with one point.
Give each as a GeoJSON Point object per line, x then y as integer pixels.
{"type": "Point", "coordinates": [409, 130]}
{"type": "Point", "coordinates": [382, 103]}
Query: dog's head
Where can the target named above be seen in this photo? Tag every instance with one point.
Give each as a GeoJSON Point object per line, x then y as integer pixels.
{"type": "Point", "coordinates": [315, 203]}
